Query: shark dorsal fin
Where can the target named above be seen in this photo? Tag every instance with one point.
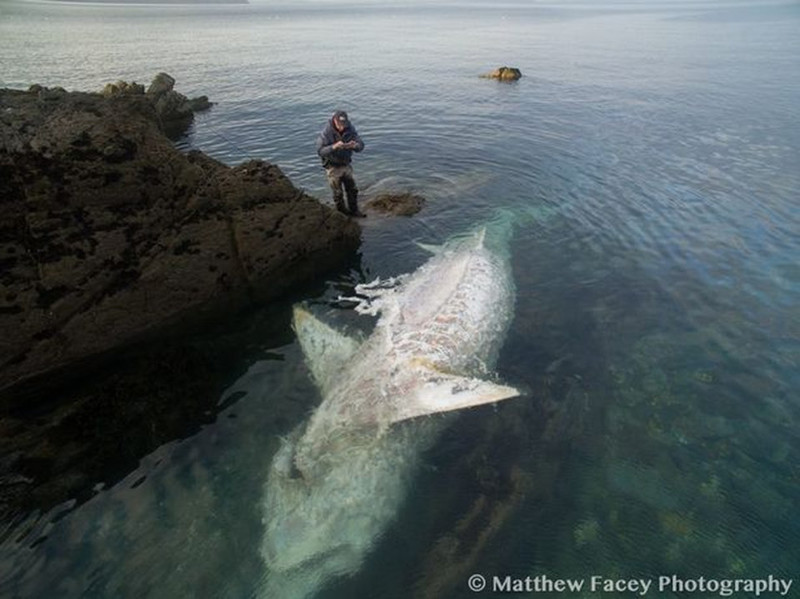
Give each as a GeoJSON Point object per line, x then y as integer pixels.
{"type": "Point", "coordinates": [445, 393]}
{"type": "Point", "coordinates": [326, 349]}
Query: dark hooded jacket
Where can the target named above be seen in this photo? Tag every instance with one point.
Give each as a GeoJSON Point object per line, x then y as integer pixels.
{"type": "Point", "coordinates": [330, 136]}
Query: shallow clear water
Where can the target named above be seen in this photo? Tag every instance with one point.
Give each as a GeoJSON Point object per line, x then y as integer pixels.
{"type": "Point", "coordinates": [657, 317]}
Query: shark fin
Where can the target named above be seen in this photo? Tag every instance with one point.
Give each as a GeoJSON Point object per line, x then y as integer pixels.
{"type": "Point", "coordinates": [326, 349]}
{"type": "Point", "coordinates": [430, 248]}
{"type": "Point", "coordinates": [445, 393]}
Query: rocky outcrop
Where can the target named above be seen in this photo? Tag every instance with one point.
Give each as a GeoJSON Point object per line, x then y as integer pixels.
{"type": "Point", "coordinates": [395, 204]}
{"type": "Point", "coordinates": [504, 74]}
{"type": "Point", "coordinates": [109, 235]}
{"type": "Point", "coordinates": [174, 110]}
{"type": "Point", "coordinates": [122, 88]}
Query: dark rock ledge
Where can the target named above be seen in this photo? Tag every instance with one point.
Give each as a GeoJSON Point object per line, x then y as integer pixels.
{"type": "Point", "coordinates": [108, 232]}
{"type": "Point", "coordinates": [110, 236]}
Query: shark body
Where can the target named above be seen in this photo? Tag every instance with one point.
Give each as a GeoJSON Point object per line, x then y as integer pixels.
{"type": "Point", "coordinates": [340, 478]}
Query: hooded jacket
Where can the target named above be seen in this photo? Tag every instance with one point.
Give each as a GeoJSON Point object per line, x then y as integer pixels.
{"type": "Point", "coordinates": [330, 136]}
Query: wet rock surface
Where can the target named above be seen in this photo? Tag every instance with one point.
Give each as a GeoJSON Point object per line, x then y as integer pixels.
{"type": "Point", "coordinates": [110, 238]}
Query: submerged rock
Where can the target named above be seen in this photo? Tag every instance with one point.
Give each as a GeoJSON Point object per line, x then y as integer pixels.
{"type": "Point", "coordinates": [108, 234]}
{"type": "Point", "coordinates": [397, 204]}
{"type": "Point", "coordinates": [504, 74]}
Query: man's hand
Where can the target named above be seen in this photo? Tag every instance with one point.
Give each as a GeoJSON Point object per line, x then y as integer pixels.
{"type": "Point", "coordinates": [342, 145]}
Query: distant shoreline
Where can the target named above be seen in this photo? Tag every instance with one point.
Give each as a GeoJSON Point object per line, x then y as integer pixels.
{"type": "Point", "coordinates": [151, 2]}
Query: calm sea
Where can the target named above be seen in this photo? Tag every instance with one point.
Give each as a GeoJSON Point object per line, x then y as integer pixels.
{"type": "Point", "coordinates": [657, 317]}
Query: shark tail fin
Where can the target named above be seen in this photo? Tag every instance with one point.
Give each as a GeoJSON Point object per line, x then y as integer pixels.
{"type": "Point", "coordinates": [446, 393]}
{"type": "Point", "coordinates": [326, 349]}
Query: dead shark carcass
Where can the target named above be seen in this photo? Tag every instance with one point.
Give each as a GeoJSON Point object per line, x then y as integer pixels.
{"type": "Point", "coordinates": [338, 481]}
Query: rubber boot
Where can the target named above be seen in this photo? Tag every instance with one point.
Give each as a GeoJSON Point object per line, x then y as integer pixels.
{"type": "Point", "coordinates": [338, 199]}
{"type": "Point", "coordinates": [352, 204]}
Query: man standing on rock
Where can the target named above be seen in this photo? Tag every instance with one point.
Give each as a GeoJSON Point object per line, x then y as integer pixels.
{"type": "Point", "coordinates": [335, 145]}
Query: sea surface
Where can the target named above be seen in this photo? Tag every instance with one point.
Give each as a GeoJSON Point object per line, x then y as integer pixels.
{"type": "Point", "coordinates": [657, 146]}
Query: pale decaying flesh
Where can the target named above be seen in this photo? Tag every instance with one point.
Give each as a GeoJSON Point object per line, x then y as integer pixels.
{"type": "Point", "coordinates": [339, 479]}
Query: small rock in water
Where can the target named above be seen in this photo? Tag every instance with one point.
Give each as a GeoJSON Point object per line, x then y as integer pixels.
{"type": "Point", "coordinates": [397, 204]}
{"type": "Point", "coordinates": [504, 74]}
